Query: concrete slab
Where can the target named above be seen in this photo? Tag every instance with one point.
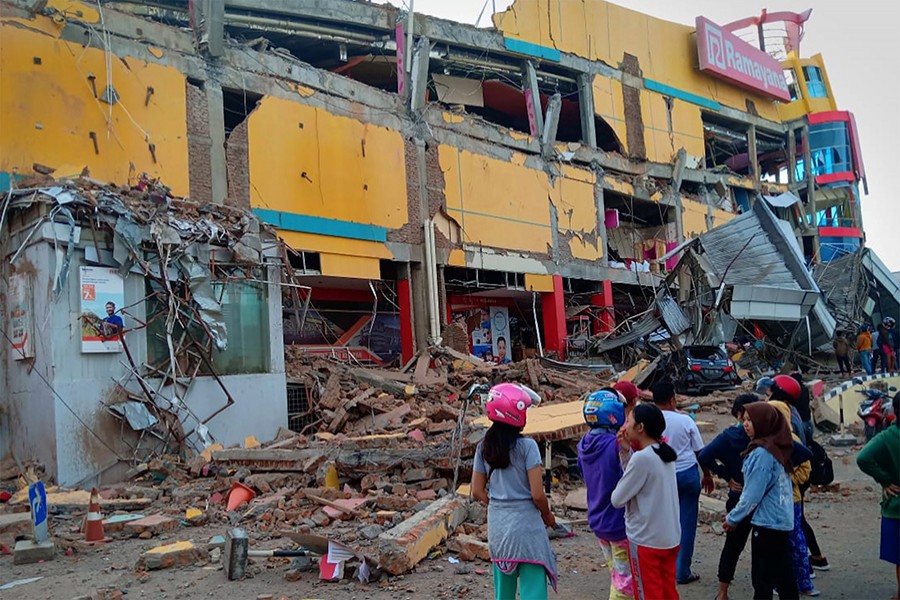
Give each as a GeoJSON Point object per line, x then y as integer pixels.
{"type": "Point", "coordinates": [14, 524]}
{"type": "Point", "coordinates": [155, 524]}
{"type": "Point", "coordinates": [29, 551]}
{"type": "Point", "coordinates": [407, 544]}
{"type": "Point", "coordinates": [179, 554]}
{"type": "Point", "coordinates": [116, 523]}
{"type": "Point", "coordinates": [553, 422]}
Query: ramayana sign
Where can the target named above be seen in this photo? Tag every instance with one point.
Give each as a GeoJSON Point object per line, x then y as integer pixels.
{"type": "Point", "coordinates": [731, 58]}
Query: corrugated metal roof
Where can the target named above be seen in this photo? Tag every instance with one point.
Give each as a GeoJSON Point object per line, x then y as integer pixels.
{"type": "Point", "coordinates": [742, 252]}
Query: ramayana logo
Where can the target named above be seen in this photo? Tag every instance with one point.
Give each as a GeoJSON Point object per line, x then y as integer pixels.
{"type": "Point", "coordinates": [721, 52]}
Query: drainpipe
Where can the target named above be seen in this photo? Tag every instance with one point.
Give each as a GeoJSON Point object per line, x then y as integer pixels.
{"type": "Point", "coordinates": [431, 274]}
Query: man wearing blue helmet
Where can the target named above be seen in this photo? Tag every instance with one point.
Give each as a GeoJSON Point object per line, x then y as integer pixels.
{"type": "Point", "coordinates": [601, 467]}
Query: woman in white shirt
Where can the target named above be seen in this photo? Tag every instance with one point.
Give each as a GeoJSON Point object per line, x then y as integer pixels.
{"type": "Point", "coordinates": [649, 492]}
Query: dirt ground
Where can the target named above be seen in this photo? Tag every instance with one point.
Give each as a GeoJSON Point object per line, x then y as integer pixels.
{"type": "Point", "coordinates": [846, 523]}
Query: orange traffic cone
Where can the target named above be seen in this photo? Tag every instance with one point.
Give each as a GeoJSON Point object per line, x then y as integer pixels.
{"type": "Point", "coordinates": [93, 530]}
{"type": "Point", "coordinates": [238, 495]}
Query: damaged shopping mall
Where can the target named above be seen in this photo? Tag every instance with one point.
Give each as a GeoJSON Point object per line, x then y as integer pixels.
{"type": "Point", "coordinates": [258, 186]}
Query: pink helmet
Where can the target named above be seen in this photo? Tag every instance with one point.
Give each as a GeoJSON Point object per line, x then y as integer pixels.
{"type": "Point", "coordinates": [508, 403]}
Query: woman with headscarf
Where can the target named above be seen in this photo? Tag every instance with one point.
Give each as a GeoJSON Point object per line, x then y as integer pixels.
{"type": "Point", "coordinates": [768, 496]}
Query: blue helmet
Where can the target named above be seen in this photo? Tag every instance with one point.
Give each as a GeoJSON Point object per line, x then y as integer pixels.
{"type": "Point", "coordinates": [763, 385]}
{"type": "Point", "coordinates": [603, 409]}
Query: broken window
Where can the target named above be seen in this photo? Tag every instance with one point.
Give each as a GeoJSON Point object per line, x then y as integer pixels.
{"type": "Point", "coordinates": [793, 88]}
{"type": "Point", "coordinates": [642, 232]}
{"type": "Point", "coordinates": [815, 84]}
{"type": "Point", "coordinates": [237, 105]}
{"type": "Point", "coordinates": [829, 145]}
{"type": "Point", "coordinates": [245, 315]}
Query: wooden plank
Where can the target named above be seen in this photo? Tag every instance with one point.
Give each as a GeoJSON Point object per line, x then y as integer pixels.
{"type": "Point", "coordinates": [421, 369]}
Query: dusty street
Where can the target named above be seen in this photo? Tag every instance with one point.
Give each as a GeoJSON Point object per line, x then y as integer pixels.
{"type": "Point", "coordinates": [847, 525]}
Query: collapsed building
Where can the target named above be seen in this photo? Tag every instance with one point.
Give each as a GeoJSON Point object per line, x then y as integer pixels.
{"type": "Point", "coordinates": [530, 185]}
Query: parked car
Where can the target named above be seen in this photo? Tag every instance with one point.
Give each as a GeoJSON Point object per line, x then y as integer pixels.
{"type": "Point", "coordinates": [702, 369]}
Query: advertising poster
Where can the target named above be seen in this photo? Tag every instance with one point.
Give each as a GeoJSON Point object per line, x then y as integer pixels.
{"type": "Point", "coordinates": [500, 334]}
{"type": "Point", "coordinates": [21, 317]}
{"type": "Point", "coordinates": [481, 334]}
{"type": "Point", "coordinates": [102, 296]}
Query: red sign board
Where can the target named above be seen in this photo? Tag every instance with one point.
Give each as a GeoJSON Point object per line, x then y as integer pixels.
{"type": "Point", "coordinates": [729, 57]}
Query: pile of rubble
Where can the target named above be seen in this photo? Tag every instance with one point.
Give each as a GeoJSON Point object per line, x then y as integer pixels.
{"type": "Point", "coordinates": [372, 480]}
{"type": "Point", "coordinates": [426, 394]}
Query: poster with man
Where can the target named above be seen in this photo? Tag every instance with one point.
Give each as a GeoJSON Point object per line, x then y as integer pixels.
{"type": "Point", "coordinates": [102, 297]}
{"type": "Point", "coordinates": [500, 334]}
{"type": "Point", "coordinates": [21, 329]}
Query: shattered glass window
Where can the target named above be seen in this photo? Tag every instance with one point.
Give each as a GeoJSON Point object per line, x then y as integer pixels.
{"type": "Point", "coordinates": [830, 148]}
{"type": "Point", "coordinates": [245, 314]}
{"type": "Point", "coordinates": [815, 84]}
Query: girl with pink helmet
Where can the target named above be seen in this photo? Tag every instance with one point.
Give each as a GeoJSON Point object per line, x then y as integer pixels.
{"type": "Point", "coordinates": [518, 510]}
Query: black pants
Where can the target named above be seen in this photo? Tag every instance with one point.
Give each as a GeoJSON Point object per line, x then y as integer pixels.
{"type": "Point", "coordinates": [810, 536]}
{"type": "Point", "coordinates": [735, 542]}
{"type": "Point", "coordinates": [772, 565]}
{"type": "Point", "coordinates": [844, 364]}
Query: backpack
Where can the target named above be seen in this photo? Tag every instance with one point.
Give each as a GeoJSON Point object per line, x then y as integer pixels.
{"type": "Point", "coordinates": [822, 470]}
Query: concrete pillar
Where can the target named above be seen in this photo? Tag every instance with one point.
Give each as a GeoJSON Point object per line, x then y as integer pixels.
{"type": "Point", "coordinates": [551, 125]}
{"type": "Point", "coordinates": [208, 21]}
{"type": "Point", "coordinates": [586, 107]}
{"type": "Point", "coordinates": [811, 193]}
{"type": "Point", "coordinates": [533, 99]}
{"type": "Point", "coordinates": [553, 309]}
{"type": "Point", "coordinates": [606, 319]}
{"type": "Point", "coordinates": [404, 301]}
{"type": "Point", "coordinates": [600, 202]}
{"type": "Point", "coordinates": [419, 297]}
{"type": "Point", "coordinates": [754, 158]}
{"type": "Point", "coordinates": [217, 162]}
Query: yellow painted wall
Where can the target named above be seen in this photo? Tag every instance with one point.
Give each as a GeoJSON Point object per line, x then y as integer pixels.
{"type": "Point", "coordinates": [694, 217]}
{"type": "Point", "coordinates": [609, 104]}
{"type": "Point", "coordinates": [576, 208]}
{"type": "Point", "coordinates": [663, 140]}
{"type": "Point", "coordinates": [497, 203]}
{"type": "Point", "coordinates": [48, 110]}
{"type": "Point", "coordinates": [599, 30]}
{"type": "Point", "coordinates": [358, 267]}
{"type": "Point", "coordinates": [806, 105]}
{"type": "Point", "coordinates": [354, 171]}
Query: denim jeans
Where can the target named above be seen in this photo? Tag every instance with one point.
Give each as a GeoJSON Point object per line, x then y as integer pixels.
{"type": "Point", "coordinates": [865, 357]}
{"type": "Point", "coordinates": [689, 504]}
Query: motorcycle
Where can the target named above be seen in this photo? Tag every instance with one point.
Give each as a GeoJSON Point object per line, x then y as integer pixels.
{"type": "Point", "coordinates": [875, 411]}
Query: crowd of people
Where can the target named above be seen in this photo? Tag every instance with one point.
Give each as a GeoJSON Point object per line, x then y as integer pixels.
{"type": "Point", "coordinates": [877, 349]}
{"type": "Point", "coordinates": [642, 463]}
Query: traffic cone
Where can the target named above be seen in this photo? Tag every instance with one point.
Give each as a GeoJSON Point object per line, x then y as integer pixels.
{"type": "Point", "coordinates": [93, 530]}
{"type": "Point", "coordinates": [238, 495]}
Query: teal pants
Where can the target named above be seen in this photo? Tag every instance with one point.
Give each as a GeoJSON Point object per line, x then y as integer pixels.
{"type": "Point", "coordinates": [530, 579]}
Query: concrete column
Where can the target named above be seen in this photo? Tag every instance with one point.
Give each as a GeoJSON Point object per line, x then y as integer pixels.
{"type": "Point", "coordinates": [553, 309]}
{"type": "Point", "coordinates": [532, 99]}
{"type": "Point", "coordinates": [218, 164]}
{"type": "Point", "coordinates": [586, 107]}
{"type": "Point", "coordinates": [754, 161]}
{"type": "Point", "coordinates": [600, 202]}
{"type": "Point", "coordinates": [419, 297]}
{"type": "Point", "coordinates": [811, 192]}
{"type": "Point", "coordinates": [606, 320]}
{"type": "Point", "coordinates": [404, 301]}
